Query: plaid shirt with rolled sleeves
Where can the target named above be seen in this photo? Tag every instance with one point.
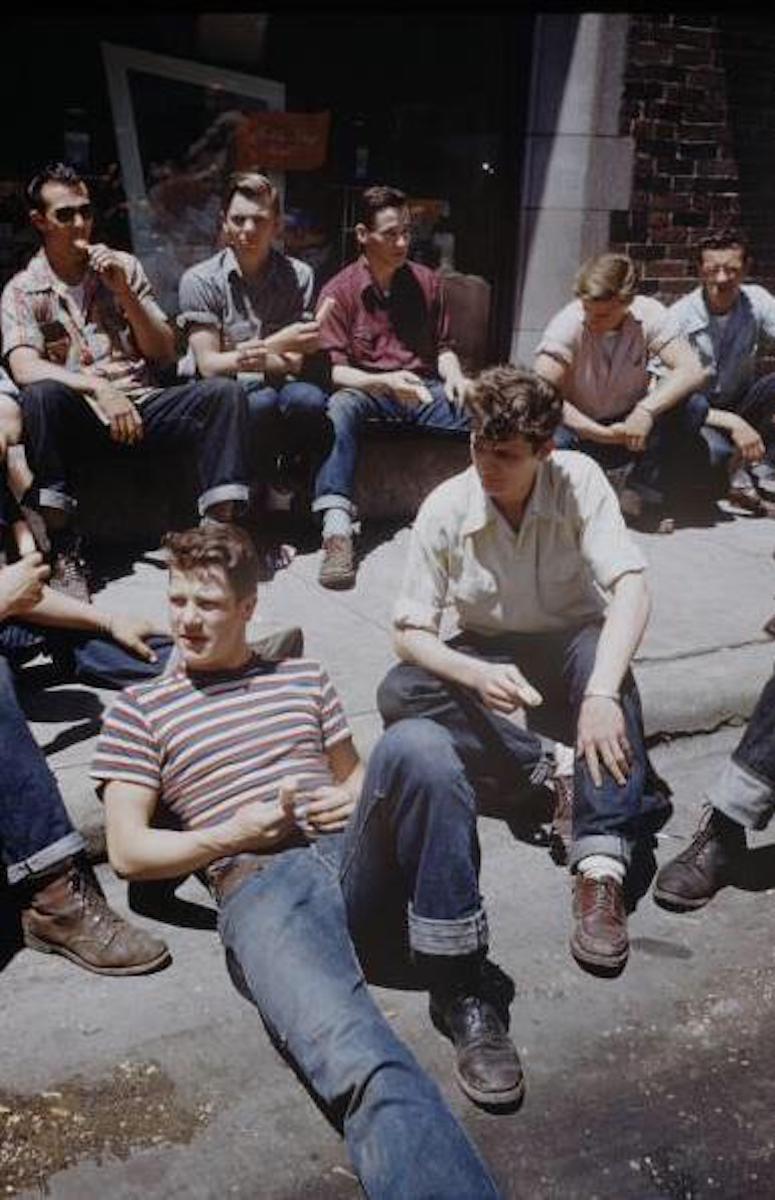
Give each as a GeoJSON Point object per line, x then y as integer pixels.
{"type": "Point", "coordinates": [38, 311]}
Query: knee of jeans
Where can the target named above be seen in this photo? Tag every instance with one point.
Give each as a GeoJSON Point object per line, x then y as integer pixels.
{"type": "Point", "coordinates": [46, 393]}
{"type": "Point", "coordinates": [345, 406]}
{"type": "Point", "coordinates": [417, 747]}
{"type": "Point", "coordinates": [695, 410]}
{"type": "Point", "coordinates": [302, 398]}
{"type": "Point", "coordinates": [394, 693]}
{"type": "Point", "coordinates": [225, 391]}
{"type": "Point", "coordinates": [262, 403]}
{"type": "Point", "coordinates": [564, 438]}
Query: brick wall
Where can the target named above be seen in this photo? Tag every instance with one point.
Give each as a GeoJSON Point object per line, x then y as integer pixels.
{"type": "Point", "coordinates": [686, 176]}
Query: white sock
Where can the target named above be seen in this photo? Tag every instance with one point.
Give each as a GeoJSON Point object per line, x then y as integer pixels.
{"type": "Point", "coordinates": [564, 759]}
{"type": "Point", "coordinates": [602, 866]}
{"type": "Point", "coordinates": [337, 522]}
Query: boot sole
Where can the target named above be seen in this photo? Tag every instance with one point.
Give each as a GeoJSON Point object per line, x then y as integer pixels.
{"type": "Point", "coordinates": [338, 583]}
{"type": "Point", "coordinates": [679, 903]}
{"type": "Point", "coordinates": [511, 1099]}
{"type": "Point", "coordinates": [599, 964]}
{"type": "Point", "coordinates": [154, 964]}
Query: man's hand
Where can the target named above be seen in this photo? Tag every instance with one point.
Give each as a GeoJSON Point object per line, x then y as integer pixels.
{"type": "Point", "coordinates": [746, 440]}
{"type": "Point", "coordinates": [21, 585]}
{"type": "Point", "coordinates": [107, 264]}
{"type": "Point", "coordinates": [264, 824]}
{"type": "Point", "coordinates": [406, 387]}
{"type": "Point", "coordinates": [636, 429]}
{"type": "Point", "coordinates": [601, 735]}
{"type": "Point", "coordinates": [326, 809]}
{"type": "Point", "coordinates": [302, 337]}
{"type": "Point", "coordinates": [24, 539]}
{"type": "Point", "coordinates": [131, 633]}
{"type": "Point", "coordinates": [126, 424]}
{"type": "Point", "coordinates": [456, 388]}
{"type": "Point", "coordinates": [502, 687]}
{"type": "Point", "coordinates": [251, 355]}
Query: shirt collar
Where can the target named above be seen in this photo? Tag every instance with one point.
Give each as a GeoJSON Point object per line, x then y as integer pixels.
{"type": "Point", "coordinates": [481, 512]}
{"type": "Point", "coordinates": [700, 316]}
{"type": "Point", "coordinates": [232, 267]}
{"type": "Point", "coordinates": [41, 277]}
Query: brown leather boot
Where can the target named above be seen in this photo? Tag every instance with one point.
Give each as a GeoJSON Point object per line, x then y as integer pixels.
{"type": "Point", "coordinates": [599, 940]}
{"type": "Point", "coordinates": [68, 914]}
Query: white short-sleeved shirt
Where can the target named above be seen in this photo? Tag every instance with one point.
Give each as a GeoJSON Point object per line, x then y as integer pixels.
{"type": "Point", "coordinates": [552, 573]}
{"type": "Point", "coordinates": [607, 375]}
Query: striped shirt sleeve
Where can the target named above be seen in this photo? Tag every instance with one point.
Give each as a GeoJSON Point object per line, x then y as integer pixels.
{"type": "Point", "coordinates": [333, 722]}
{"type": "Point", "coordinates": [126, 748]}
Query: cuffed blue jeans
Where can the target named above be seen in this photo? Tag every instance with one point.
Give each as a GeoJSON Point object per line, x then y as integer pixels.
{"type": "Point", "coordinates": [676, 461]}
{"type": "Point", "coordinates": [208, 417]}
{"type": "Point", "coordinates": [745, 788]}
{"type": "Point", "coordinates": [609, 819]}
{"type": "Point", "coordinates": [289, 953]}
{"type": "Point", "coordinates": [36, 834]}
{"type": "Point", "coordinates": [289, 423]}
{"type": "Point", "coordinates": [349, 409]}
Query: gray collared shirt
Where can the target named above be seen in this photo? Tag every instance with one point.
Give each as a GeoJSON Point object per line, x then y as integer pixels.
{"type": "Point", "coordinates": [216, 293]}
{"type": "Point", "coordinates": [728, 348]}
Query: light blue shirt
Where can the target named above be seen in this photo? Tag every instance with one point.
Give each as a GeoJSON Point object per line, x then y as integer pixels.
{"type": "Point", "coordinates": [729, 347]}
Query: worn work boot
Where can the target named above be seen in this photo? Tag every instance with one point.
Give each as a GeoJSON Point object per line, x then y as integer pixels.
{"type": "Point", "coordinates": [69, 915]}
{"type": "Point", "coordinates": [694, 876]}
{"type": "Point", "coordinates": [488, 1067]}
{"type": "Point", "coordinates": [561, 831]}
{"type": "Point", "coordinates": [337, 569]}
{"type": "Point", "coordinates": [599, 940]}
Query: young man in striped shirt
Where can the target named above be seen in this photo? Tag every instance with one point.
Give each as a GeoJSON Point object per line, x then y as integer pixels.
{"type": "Point", "coordinates": [256, 762]}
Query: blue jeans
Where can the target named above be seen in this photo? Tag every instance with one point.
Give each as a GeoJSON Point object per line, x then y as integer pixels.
{"type": "Point", "coordinates": [289, 953]}
{"type": "Point", "coordinates": [757, 407]}
{"type": "Point", "coordinates": [745, 789]}
{"type": "Point", "coordinates": [36, 833]}
{"type": "Point", "coordinates": [676, 459]}
{"type": "Point", "coordinates": [290, 423]}
{"type": "Point", "coordinates": [207, 418]}
{"type": "Point", "coordinates": [609, 819]}
{"type": "Point", "coordinates": [350, 409]}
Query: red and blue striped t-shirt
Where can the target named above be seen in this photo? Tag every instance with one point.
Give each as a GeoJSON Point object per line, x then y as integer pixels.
{"type": "Point", "coordinates": [210, 743]}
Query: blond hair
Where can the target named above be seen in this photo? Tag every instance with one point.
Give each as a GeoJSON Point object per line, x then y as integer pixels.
{"type": "Point", "coordinates": [606, 277]}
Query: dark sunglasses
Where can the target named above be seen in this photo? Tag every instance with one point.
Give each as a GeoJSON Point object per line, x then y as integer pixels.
{"type": "Point", "coordinates": [68, 212]}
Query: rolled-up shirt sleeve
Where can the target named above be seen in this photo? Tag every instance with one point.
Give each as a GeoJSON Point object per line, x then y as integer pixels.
{"type": "Point", "coordinates": [198, 301]}
{"type": "Point", "coordinates": [606, 544]}
{"type": "Point", "coordinates": [559, 339]}
{"type": "Point", "coordinates": [19, 324]}
{"type": "Point", "coordinates": [426, 577]}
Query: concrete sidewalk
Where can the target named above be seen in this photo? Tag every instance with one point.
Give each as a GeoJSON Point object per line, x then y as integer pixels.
{"type": "Point", "coordinates": [654, 1086]}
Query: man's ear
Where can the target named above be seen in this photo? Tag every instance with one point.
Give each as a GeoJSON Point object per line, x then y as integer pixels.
{"type": "Point", "coordinates": [361, 233]}
{"type": "Point", "coordinates": [37, 219]}
{"type": "Point", "coordinates": [248, 606]}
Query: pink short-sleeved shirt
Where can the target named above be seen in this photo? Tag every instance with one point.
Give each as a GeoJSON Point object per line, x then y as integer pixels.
{"type": "Point", "coordinates": [607, 374]}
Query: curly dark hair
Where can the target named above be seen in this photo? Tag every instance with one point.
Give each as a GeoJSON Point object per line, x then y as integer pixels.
{"type": "Point", "coordinates": [225, 546]}
{"type": "Point", "coordinates": [510, 401]}
{"type": "Point", "coordinates": [52, 172]}
{"type": "Point", "coordinates": [724, 239]}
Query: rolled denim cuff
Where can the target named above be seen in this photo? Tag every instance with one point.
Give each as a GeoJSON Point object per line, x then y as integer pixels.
{"type": "Point", "coordinates": [742, 796]}
{"type": "Point", "coordinates": [225, 491]}
{"type": "Point", "coordinates": [51, 498]}
{"type": "Point", "coordinates": [332, 500]}
{"type": "Point", "coordinates": [450, 938]}
{"type": "Point", "coordinates": [600, 843]}
{"type": "Point", "coordinates": [41, 862]}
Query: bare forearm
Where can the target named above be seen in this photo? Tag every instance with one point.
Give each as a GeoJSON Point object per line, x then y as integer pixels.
{"type": "Point", "coordinates": [35, 369]}
{"type": "Point", "coordinates": [585, 426]}
{"type": "Point", "coordinates": [63, 612]}
{"type": "Point", "coordinates": [424, 649]}
{"type": "Point", "coordinates": [155, 339]}
{"type": "Point", "coordinates": [217, 362]}
{"type": "Point", "coordinates": [672, 389]}
{"type": "Point", "coordinates": [149, 853]}
{"type": "Point", "coordinates": [620, 636]}
{"type": "Point", "coordinates": [343, 376]}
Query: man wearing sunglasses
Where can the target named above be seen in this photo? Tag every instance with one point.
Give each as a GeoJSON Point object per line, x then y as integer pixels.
{"type": "Point", "coordinates": [86, 341]}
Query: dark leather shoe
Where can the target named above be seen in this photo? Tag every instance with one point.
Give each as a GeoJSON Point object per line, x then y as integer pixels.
{"type": "Point", "coordinates": [69, 915]}
{"type": "Point", "coordinates": [488, 1067]}
{"type": "Point", "coordinates": [694, 876]}
{"type": "Point", "coordinates": [599, 940]}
